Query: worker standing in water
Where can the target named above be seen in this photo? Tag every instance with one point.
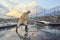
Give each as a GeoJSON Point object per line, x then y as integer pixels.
{"type": "Point", "coordinates": [23, 19]}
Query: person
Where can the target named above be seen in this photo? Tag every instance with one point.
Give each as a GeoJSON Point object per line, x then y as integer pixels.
{"type": "Point", "coordinates": [23, 19]}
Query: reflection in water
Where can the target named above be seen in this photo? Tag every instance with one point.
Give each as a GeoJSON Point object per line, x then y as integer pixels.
{"type": "Point", "coordinates": [44, 31]}
{"type": "Point", "coordinates": [52, 31]}
{"type": "Point", "coordinates": [46, 27]}
{"type": "Point", "coordinates": [34, 33]}
{"type": "Point", "coordinates": [18, 33]}
{"type": "Point", "coordinates": [26, 36]}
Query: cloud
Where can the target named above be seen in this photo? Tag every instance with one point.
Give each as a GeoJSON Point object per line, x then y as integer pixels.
{"type": "Point", "coordinates": [32, 4]}
{"type": "Point", "coordinates": [13, 2]}
{"type": "Point", "coordinates": [27, 6]}
{"type": "Point", "coordinates": [21, 6]}
{"type": "Point", "coordinates": [6, 4]}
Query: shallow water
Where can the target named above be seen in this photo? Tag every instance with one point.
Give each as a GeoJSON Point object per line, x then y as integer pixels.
{"type": "Point", "coordinates": [34, 33]}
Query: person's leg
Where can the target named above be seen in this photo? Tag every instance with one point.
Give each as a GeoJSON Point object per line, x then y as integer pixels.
{"type": "Point", "coordinates": [18, 25]}
{"type": "Point", "coordinates": [26, 26]}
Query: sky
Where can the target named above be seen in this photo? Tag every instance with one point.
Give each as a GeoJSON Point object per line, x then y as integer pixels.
{"type": "Point", "coordinates": [48, 3]}
{"type": "Point", "coordinates": [42, 3]}
{"type": "Point", "coordinates": [29, 4]}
